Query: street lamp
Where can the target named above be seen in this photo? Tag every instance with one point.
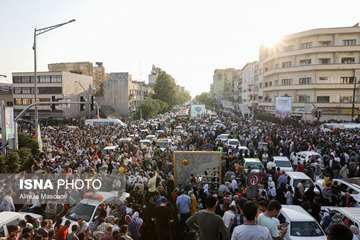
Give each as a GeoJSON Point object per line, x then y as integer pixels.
{"type": "Point", "coordinates": [38, 32]}
{"type": "Point", "coordinates": [353, 100]}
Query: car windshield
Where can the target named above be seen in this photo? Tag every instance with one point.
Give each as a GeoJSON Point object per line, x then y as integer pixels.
{"type": "Point", "coordinates": [305, 229]}
{"type": "Point", "coordinates": [307, 183]}
{"type": "Point", "coordinates": [233, 142]}
{"type": "Point", "coordinates": [253, 165]}
{"type": "Point", "coordinates": [83, 211]}
{"type": "Point", "coordinates": [282, 163]}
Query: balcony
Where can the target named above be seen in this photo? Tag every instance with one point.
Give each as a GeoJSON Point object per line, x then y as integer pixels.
{"type": "Point", "coordinates": [316, 49]}
{"type": "Point", "coordinates": [311, 67]}
{"type": "Point", "coordinates": [313, 86]}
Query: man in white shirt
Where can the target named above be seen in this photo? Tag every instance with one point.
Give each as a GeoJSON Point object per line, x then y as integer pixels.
{"type": "Point", "coordinates": [250, 230]}
{"type": "Point", "coordinates": [229, 215]}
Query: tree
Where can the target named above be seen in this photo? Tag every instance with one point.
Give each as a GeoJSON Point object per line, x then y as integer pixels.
{"type": "Point", "coordinates": [206, 99]}
{"type": "Point", "coordinates": [27, 142]}
{"type": "Point", "coordinates": [165, 89]}
{"type": "Point", "coordinates": [150, 108]}
{"type": "Point", "coordinates": [2, 164]}
{"type": "Point", "coordinates": [182, 96]}
{"type": "Point", "coordinates": [13, 162]}
{"type": "Point", "coordinates": [26, 159]}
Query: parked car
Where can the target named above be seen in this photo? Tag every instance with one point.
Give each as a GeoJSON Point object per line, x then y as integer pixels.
{"type": "Point", "coordinates": [222, 137]}
{"type": "Point", "coordinates": [283, 163]}
{"type": "Point", "coordinates": [300, 224]}
{"type": "Point", "coordinates": [344, 186]}
{"type": "Point", "coordinates": [309, 156]}
{"type": "Point", "coordinates": [13, 219]}
{"type": "Point", "coordinates": [232, 143]}
{"type": "Point", "coordinates": [351, 215]}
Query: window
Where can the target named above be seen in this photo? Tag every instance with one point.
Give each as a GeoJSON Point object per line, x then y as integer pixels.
{"type": "Point", "coordinates": [276, 82]}
{"type": "Point", "coordinates": [345, 99]}
{"type": "Point", "coordinates": [347, 60]}
{"type": "Point", "coordinates": [266, 84]}
{"type": "Point", "coordinates": [347, 80]}
{"type": "Point", "coordinates": [323, 78]}
{"type": "Point", "coordinates": [323, 99]}
{"type": "Point", "coordinates": [23, 90]}
{"type": "Point", "coordinates": [305, 62]}
{"type": "Point", "coordinates": [304, 99]}
{"type": "Point", "coordinates": [45, 79]}
{"type": "Point", "coordinates": [50, 90]}
{"type": "Point", "coordinates": [56, 79]}
{"type": "Point", "coordinates": [349, 42]}
{"type": "Point", "coordinates": [16, 79]}
{"type": "Point", "coordinates": [305, 80]}
{"type": "Point", "coordinates": [270, 83]}
{"type": "Point", "coordinates": [286, 64]}
{"type": "Point", "coordinates": [306, 45]}
{"type": "Point", "coordinates": [289, 48]}
{"type": "Point", "coordinates": [286, 82]}
{"type": "Point", "coordinates": [324, 60]}
{"type": "Point", "coordinates": [305, 229]}
{"type": "Point", "coordinates": [23, 101]}
{"type": "Point", "coordinates": [325, 43]}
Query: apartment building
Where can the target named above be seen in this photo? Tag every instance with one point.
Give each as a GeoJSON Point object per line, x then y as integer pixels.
{"type": "Point", "coordinates": [51, 86]}
{"type": "Point", "coordinates": [224, 84]}
{"type": "Point", "coordinates": [317, 67]}
{"type": "Point", "coordinates": [123, 94]}
{"type": "Point", "coordinates": [97, 71]}
{"type": "Point", "coordinates": [250, 84]}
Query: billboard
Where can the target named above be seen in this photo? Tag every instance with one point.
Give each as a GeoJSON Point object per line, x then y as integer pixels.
{"type": "Point", "coordinates": [197, 111]}
{"type": "Point", "coordinates": [283, 106]}
{"type": "Point", "coordinates": [9, 123]}
{"type": "Point", "coordinates": [198, 163]}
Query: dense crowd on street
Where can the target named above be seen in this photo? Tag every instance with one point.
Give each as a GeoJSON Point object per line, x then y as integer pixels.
{"type": "Point", "coordinates": [160, 209]}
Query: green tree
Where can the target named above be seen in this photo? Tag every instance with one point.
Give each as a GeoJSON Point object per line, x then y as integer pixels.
{"type": "Point", "coordinates": [12, 162]}
{"type": "Point", "coordinates": [26, 159]}
{"type": "Point", "coordinates": [165, 89]}
{"type": "Point", "coordinates": [206, 99]}
{"type": "Point", "coordinates": [150, 108]}
{"type": "Point", "coordinates": [26, 141]}
{"type": "Point", "coordinates": [182, 96]}
{"type": "Point", "coordinates": [2, 164]}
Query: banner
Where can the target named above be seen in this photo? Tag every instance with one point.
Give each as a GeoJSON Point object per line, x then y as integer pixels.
{"type": "Point", "coordinates": [283, 106]}
{"type": "Point", "coordinates": [9, 123]}
{"type": "Point", "coordinates": [197, 111]}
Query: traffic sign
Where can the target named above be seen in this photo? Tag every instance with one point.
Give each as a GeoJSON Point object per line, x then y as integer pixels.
{"type": "Point", "coordinates": [253, 180]}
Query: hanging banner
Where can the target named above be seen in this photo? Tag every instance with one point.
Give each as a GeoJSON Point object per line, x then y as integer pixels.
{"type": "Point", "coordinates": [9, 123]}
{"type": "Point", "coordinates": [283, 106]}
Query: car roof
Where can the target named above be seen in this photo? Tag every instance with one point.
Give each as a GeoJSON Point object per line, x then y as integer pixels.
{"type": "Point", "coordinates": [233, 139]}
{"type": "Point", "coordinates": [298, 175]}
{"type": "Point", "coordinates": [111, 147]}
{"type": "Point", "coordinates": [350, 212]}
{"type": "Point", "coordinates": [252, 160]}
{"type": "Point", "coordinates": [6, 217]}
{"type": "Point", "coordinates": [354, 185]}
{"type": "Point", "coordinates": [296, 213]}
{"type": "Point", "coordinates": [145, 140]}
{"type": "Point", "coordinates": [280, 158]}
{"type": "Point", "coordinates": [308, 153]}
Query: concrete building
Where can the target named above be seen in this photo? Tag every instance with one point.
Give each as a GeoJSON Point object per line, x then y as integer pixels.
{"type": "Point", "coordinates": [6, 94]}
{"type": "Point", "coordinates": [250, 84]}
{"type": "Point", "coordinates": [97, 72]}
{"type": "Point", "coordinates": [51, 86]}
{"type": "Point", "coordinates": [123, 94]}
{"type": "Point", "coordinates": [224, 81]}
{"type": "Point", "coordinates": [155, 71]}
{"type": "Point", "coordinates": [317, 67]}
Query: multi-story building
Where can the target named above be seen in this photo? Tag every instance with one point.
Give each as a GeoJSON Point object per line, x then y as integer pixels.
{"type": "Point", "coordinates": [317, 67]}
{"type": "Point", "coordinates": [6, 94]}
{"type": "Point", "coordinates": [250, 84]}
{"type": "Point", "coordinates": [51, 86]}
{"type": "Point", "coordinates": [86, 68]}
{"type": "Point", "coordinates": [123, 94]}
{"type": "Point", "coordinates": [224, 81]}
{"type": "Point", "coordinates": [155, 71]}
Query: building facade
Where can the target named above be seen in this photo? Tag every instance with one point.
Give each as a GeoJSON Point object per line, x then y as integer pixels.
{"type": "Point", "coordinates": [316, 67]}
{"type": "Point", "coordinates": [250, 84]}
{"type": "Point", "coordinates": [52, 86]}
{"type": "Point", "coordinates": [6, 94]}
{"type": "Point", "coordinates": [224, 83]}
{"type": "Point", "coordinates": [123, 94]}
{"type": "Point", "coordinates": [97, 72]}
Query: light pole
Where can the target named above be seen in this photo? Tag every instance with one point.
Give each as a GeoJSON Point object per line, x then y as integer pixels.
{"type": "Point", "coordinates": [87, 96]}
{"type": "Point", "coordinates": [353, 100]}
{"type": "Point", "coordinates": [38, 32]}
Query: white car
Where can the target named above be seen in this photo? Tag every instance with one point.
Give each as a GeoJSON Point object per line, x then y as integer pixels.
{"type": "Point", "coordinates": [283, 163]}
{"type": "Point", "coordinates": [344, 186]}
{"type": "Point", "coordinates": [145, 143]}
{"type": "Point", "coordinates": [253, 165]}
{"type": "Point", "coordinates": [163, 143]}
{"type": "Point", "coordinates": [232, 143]}
{"type": "Point", "coordinates": [13, 219]}
{"type": "Point", "coordinates": [306, 156]}
{"type": "Point", "coordinates": [352, 214]}
{"type": "Point", "coordinates": [151, 138]}
{"type": "Point", "coordinates": [301, 225]}
{"type": "Point", "coordinates": [110, 149]}
{"type": "Point", "coordinates": [297, 177]}
{"type": "Point", "coordinates": [222, 137]}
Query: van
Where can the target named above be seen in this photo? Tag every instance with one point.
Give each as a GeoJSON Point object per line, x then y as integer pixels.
{"type": "Point", "coordinates": [13, 219]}
{"type": "Point", "coordinates": [301, 225]}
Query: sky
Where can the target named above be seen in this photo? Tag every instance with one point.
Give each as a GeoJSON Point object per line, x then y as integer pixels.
{"type": "Point", "coordinates": [186, 38]}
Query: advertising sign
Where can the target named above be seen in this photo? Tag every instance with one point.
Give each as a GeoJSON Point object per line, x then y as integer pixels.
{"type": "Point", "coordinates": [9, 123]}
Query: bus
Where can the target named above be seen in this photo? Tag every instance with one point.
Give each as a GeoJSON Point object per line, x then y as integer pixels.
{"type": "Point", "coordinates": [104, 122]}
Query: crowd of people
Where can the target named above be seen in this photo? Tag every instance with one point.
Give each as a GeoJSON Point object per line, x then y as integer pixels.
{"type": "Point", "coordinates": [160, 209]}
